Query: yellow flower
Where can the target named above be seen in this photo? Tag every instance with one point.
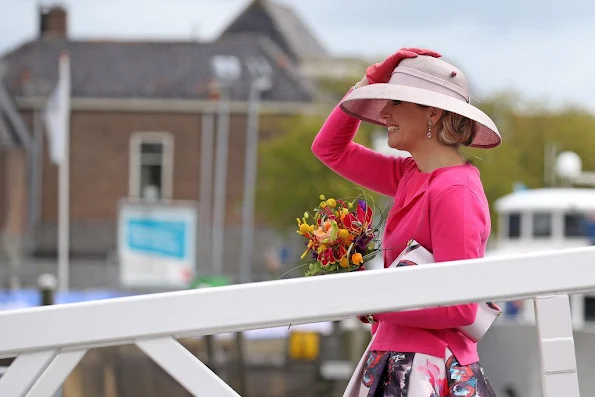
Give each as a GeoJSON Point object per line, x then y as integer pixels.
{"type": "Point", "coordinates": [323, 204]}
{"type": "Point", "coordinates": [357, 258]}
{"type": "Point", "coordinates": [344, 262]}
{"type": "Point", "coordinates": [344, 211]}
{"type": "Point", "coordinates": [331, 203]}
{"type": "Point", "coordinates": [306, 216]}
{"type": "Point", "coordinates": [343, 234]}
{"type": "Point", "coordinates": [350, 205]}
{"type": "Point", "coordinates": [304, 228]}
{"type": "Point", "coordinates": [322, 197]}
{"type": "Point", "coordinates": [321, 248]}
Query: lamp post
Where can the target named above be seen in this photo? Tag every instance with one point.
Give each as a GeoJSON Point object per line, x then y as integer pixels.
{"type": "Point", "coordinates": [227, 69]}
{"type": "Point", "coordinates": [260, 71]}
{"type": "Point", "coordinates": [47, 284]}
{"type": "Point", "coordinates": [207, 134]}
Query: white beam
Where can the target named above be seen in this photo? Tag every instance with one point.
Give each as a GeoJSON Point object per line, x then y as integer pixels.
{"type": "Point", "coordinates": [56, 373]}
{"type": "Point", "coordinates": [295, 301]}
{"type": "Point", "coordinates": [23, 372]}
{"type": "Point", "coordinates": [558, 358]}
{"type": "Point", "coordinates": [192, 374]}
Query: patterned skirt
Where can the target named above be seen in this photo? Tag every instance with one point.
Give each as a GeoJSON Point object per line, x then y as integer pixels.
{"type": "Point", "coordinates": [392, 374]}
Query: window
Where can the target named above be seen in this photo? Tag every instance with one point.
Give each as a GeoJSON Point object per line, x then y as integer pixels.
{"type": "Point", "coordinates": [151, 166]}
{"type": "Point", "coordinates": [542, 224]}
{"type": "Point", "coordinates": [514, 225]}
{"type": "Point", "coordinates": [589, 312]}
{"type": "Point", "coordinates": [573, 225]}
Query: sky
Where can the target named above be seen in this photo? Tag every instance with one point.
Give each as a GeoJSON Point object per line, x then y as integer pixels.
{"type": "Point", "coordinates": [542, 50]}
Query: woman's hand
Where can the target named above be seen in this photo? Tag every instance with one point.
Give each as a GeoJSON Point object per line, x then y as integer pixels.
{"type": "Point", "coordinates": [381, 72]}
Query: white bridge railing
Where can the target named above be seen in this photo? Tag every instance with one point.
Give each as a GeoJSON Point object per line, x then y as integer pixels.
{"type": "Point", "coordinates": [49, 341]}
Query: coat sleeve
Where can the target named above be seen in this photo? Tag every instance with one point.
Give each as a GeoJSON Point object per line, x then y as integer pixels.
{"type": "Point", "coordinates": [334, 146]}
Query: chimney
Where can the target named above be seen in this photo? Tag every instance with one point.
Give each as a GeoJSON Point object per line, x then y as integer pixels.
{"type": "Point", "coordinates": [53, 22]}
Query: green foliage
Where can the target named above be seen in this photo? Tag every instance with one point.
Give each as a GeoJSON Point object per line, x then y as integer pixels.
{"type": "Point", "coordinates": [291, 178]}
{"type": "Point", "coordinates": [336, 88]}
{"type": "Point", "coordinates": [526, 136]}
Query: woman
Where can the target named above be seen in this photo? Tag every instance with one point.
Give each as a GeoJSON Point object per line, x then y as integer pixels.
{"type": "Point", "coordinates": [438, 201]}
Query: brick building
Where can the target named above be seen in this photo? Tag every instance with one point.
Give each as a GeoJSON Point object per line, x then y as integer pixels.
{"type": "Point", "coordinates": [137, 112]}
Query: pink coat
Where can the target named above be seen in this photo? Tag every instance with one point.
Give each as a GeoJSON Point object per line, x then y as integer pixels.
{"type": "Point", "coordinates": [446, 211]}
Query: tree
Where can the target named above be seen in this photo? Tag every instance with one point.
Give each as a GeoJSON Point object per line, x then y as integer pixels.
{"type": "Point", "coordinates": [291, 178]}
{"type": "Point", "coordinates": [527, 130]}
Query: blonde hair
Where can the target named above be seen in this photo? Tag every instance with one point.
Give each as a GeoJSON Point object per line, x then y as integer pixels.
{"type": "Point", "coordinates": [456, 130]}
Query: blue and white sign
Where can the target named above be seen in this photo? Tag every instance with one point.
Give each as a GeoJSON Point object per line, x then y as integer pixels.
{"type": "Point", "coordinates": [26, 298]}
{"type": "Point", "coordinates": [156, 244]}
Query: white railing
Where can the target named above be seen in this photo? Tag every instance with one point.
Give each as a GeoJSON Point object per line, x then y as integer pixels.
{"type": "Point", "coordinates": [50, 341]}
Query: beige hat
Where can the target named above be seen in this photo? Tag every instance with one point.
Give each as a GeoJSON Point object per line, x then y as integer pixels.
{"type": "Point", "coordinates": [424, 80]}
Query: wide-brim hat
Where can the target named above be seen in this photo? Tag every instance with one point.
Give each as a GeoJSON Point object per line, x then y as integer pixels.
{"type": "Point", "coordinates": [424, 80]}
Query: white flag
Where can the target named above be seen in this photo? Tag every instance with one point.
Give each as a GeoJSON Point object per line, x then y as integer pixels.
{"type": "Point", "coordinates": [56, 114]}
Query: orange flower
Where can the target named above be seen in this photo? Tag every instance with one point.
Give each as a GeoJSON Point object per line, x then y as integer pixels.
{"type": "Point", "coordinates": [357, 258]}
{"type": "Point", "coordinates": [321, 235]}
{"type": "Point", "coordinates": [349, 240]}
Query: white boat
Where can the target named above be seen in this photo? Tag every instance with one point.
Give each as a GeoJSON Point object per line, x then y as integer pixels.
{"type": "Point", "coordinates": [542, 219]}
{"type": "Point", "coordinates": [532, 220]}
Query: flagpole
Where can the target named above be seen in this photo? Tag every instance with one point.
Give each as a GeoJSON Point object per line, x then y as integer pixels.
{"type": "Point", "coordinates": [64, 181]}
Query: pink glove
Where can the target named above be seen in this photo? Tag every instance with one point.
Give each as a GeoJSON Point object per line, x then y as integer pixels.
{"type": "Point", "coordinates": [381, 72]}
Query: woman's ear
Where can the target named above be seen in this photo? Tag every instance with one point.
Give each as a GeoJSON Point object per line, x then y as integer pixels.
{"type": "Point", "coordinates": [436, 115]}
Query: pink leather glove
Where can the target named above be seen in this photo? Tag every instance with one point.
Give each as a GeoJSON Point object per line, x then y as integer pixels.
{"type": "Point", "coordinates": [381, 72]}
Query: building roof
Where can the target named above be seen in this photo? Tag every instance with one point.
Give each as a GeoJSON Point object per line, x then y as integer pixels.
{"type": "Point", "coordinates": [548, 199]}
{"type": "Point", "coordinates": [149, 70]}
{"type": "Point", "coordinates": [282, 25]}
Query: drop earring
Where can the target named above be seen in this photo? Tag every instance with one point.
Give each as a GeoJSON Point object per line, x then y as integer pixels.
{"type": "Point", "coordinates": [429, 134]}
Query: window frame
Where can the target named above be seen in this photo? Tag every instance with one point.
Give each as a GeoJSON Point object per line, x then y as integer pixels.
{"type": "Point", "coordinates": [167, 169]}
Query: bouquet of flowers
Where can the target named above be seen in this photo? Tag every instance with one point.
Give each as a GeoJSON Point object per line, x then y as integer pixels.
{"type": "Point", "coordinates": [341, 236]}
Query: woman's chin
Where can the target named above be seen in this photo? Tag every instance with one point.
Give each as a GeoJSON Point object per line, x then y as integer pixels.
{"type": "Point", "coordinates": [394, 145]}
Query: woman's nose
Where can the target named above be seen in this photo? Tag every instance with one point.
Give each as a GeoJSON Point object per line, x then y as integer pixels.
{"type": "Point", "coordinates": [385, 112]}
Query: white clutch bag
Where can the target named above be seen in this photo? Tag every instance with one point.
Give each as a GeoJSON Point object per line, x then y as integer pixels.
{"type": "Point", "coordinates": [487, 312]}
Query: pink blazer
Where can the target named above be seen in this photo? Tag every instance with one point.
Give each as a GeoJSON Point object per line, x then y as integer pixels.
{"type": "Point", "coordinates": [446, 211]}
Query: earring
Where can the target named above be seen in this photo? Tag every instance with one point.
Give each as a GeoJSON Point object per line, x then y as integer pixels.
{"type": "Point", "coordinates": [429, 134]}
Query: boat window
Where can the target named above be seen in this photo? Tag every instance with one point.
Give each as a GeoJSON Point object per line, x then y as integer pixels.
{"type": "Point", "coordinates": [514, 225]}
{"type": "Point", "coordinates": [542, 224]}
{"type": "Point", "coordinates": [573, 225]}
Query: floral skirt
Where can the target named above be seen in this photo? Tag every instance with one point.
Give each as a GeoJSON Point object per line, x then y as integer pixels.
{"type": "Point", "coordinates": [392, 374]}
